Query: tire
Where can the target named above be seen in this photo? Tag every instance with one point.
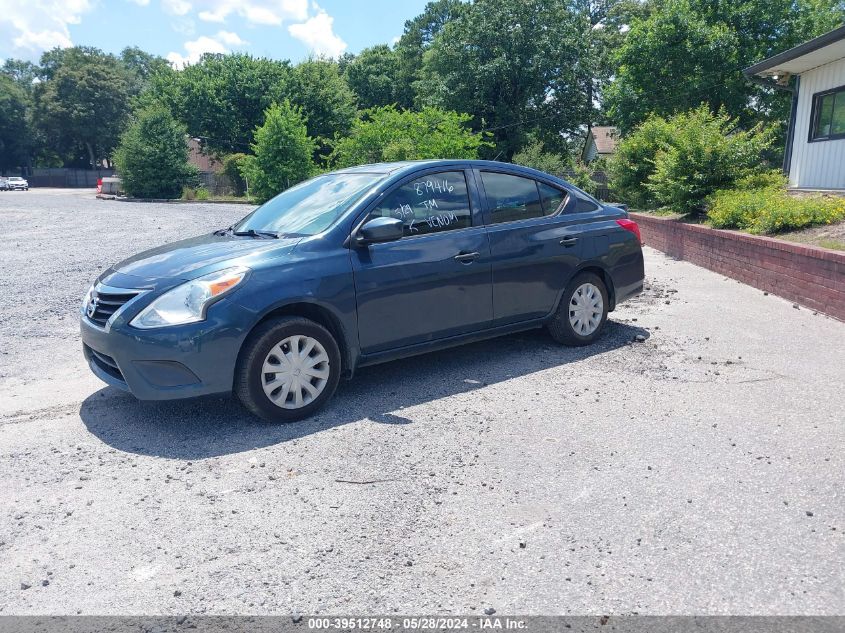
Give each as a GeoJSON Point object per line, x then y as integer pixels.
{"type": "Point", "coordinates": [272, 395]}
{"type": "Point", "coordinates": [585, 330]}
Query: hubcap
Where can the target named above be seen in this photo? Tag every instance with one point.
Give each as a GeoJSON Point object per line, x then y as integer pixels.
{"type": "Point", "coordinates": [585, 309]}
{"type": "Point", "coordinates": [295, 372]}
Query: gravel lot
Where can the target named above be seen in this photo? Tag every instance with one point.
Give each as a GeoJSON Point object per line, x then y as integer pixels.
{"type": "Point", "coordinates": [698, 472]}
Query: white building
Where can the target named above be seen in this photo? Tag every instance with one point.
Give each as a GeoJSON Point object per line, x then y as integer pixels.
{"type": "Point", "coordinates": [815, 145]}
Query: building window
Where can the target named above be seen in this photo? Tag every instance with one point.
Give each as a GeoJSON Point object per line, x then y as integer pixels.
{"type": "Point", "coordinates": [828, 120]}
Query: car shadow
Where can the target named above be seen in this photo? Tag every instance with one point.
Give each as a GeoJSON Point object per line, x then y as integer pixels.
{"type": "Point", "coordinates": [218, 425]}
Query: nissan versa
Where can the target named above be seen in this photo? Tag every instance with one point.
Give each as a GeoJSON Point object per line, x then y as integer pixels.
{"type": "Point", "coordinates": [357, 267]}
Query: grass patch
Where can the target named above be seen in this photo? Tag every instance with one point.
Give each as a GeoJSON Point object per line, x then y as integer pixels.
{"type": "Point", "coordinates": [835, 245]}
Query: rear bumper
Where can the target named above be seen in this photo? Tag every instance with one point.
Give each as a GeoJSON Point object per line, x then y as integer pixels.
{"type": "Point", "coordinates": [167, 363]}
{"type": "Point", "coordinates": [628, 275]}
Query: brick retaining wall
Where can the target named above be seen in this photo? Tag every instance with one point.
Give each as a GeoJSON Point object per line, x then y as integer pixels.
{"type": "Point", "coordinates": [813, 277]}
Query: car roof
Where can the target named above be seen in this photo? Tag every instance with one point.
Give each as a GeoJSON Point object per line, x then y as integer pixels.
{"type": "Point", "coordinates": [413, 165]}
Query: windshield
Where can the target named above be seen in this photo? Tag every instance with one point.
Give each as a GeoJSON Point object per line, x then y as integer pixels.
{"type": "Point", "coordinates": [311, 206]}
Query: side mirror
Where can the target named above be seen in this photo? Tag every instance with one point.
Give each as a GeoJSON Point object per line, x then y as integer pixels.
{"type": "Point", "coordinates": [380, 230]}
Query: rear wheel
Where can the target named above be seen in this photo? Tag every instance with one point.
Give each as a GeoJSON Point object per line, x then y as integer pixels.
{"type": "Point", "coordinates": [288, 369]}
{"type": "Point", "coordinates": [582, 311]}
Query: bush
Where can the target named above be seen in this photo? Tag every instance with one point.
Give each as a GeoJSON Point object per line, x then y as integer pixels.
{"type": "Point", "coordinates": [387, 134]}
{"type": "Point", "coordinates": [202, 193]}
{"type": "Point", "coordinates": [678, 162]}
{"type": "Point", "coordinates": [152, 158]}
{"type": "Point", "coordinates": [283, 153]}
{"type": "Point", "coordinates": [769, 209]}
{"type": "Point", "coordinates": [232, 170]}
{"type": "Point", "coordinates": [632, 165]}
{"type": "Point", "coordinates": [582, 177]}
{"type": "Point", "coordinates": [706, 153]}
{"type": "Point", "coordinates": [533, 155]}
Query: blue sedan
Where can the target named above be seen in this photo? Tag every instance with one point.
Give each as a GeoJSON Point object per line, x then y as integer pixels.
{"type": "Point", "coordinates": [357, 267]}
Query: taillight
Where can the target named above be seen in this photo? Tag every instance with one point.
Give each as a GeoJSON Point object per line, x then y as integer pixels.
{"type": "Point", "coordinates": [630, 225]}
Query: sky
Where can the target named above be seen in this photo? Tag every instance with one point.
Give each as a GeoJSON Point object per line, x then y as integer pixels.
{"type": "Point", "coordinates": [181, 30]}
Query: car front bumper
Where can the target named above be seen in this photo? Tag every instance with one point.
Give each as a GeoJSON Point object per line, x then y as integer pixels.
{"type": "Point", "coordinates": [171, 362]}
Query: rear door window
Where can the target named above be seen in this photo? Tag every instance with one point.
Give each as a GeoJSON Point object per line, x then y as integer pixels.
{"type": "Point", "coordinates": [511, 198]}
{"type": "Point", "coordinates": [429, 204]}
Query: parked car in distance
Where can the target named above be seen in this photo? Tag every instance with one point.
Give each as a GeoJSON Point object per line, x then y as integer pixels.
{"type": "Point", "coordinates": [4, 183]}
{"type": "Point", "coordinates": [17, 183]}
{"type": "Point", "coordinates": [356, 267]}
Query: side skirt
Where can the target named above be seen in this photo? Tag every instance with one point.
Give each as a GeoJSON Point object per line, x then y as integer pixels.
{"type": "Point", "coordinates": [452, 341]}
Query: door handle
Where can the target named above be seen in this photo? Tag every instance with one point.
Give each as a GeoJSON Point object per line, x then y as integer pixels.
{"type": "Point", "coordinates": [466, 258]}
{"type": "Point", "coordinates": [569, 241]}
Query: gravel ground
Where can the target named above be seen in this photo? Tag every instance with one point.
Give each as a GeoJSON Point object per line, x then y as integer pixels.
{"type": "Point", "coordinates": [699, 471]}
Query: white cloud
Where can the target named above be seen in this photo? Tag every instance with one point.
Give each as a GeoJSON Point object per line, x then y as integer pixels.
{"type": "Point", "coordinates": [28, 29]}
{"type": "Point", "coordinates": [229, 38]}
{"type": "Point", "coordinates": [266, 12]}
{"type": "Point", "coordinates": [317, 32]}
{"type": "Point", "coordinates": [194, 49]}
{"type": "Point", "coordinates": [176, 7]}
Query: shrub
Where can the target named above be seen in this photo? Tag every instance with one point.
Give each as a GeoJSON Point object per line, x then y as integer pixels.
{"type": "Point", "coordinates": [387, 134]}
{"type": "Point", "coordinates": [202, 193]}
{"type": "Point", "coordinates": [770, 209]}
{"type": "Point", "coordinates": [283, 152]}
{"type": "Point", "coordinates": [678, 162]}
{"type": "Point", "coordinates": [632, 165]}
{"type": "Point", "coordinates": [706, 153]}
{"type": "Point", "coordinates": [152, 158]}
{"type": "Point", "coordinates": [232, 170]}
{"type": "Point", "coordinates": [533, 155]}
{"type": "Point", "coordinates": [582, 177]}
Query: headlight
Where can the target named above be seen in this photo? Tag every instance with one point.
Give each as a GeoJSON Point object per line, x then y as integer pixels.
{"type": "Point", "coordinates": [87, 299]}
{"type": "Point", "coordinates": [187, 303]}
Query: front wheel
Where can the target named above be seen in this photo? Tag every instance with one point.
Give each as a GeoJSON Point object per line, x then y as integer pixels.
{"type": "Point", "coordinates": [288, 369]}
{"type": "Point", "coordinates": [582, 312]}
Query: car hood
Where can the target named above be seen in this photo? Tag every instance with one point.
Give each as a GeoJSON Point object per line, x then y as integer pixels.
{"type": "Point", "coordinates": [191, 258]}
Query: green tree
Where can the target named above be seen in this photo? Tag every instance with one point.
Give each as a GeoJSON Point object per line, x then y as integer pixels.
{"type": "Point", "coordinates": [282, 152]}
{"type": "Point", "coordinates": [373, 76]}
{"type": "Point", "coordinates": [515, 65]}
{"type": "Point", "coordinates": [388, 134]}
{"type": "Point", "coordinates": [142, 66]}
{"type": "Point", "coordinates": [416, 39]}
{"type": "Point", "coordinates": [152, 158]}
{"type": "Point", "coordinates": [222, 98]}
{"type": "Point", "coordinates": [534, 154]}
{"type": "Point", "coordinates": [603, 27]}
{"type": "Point", "coordinates": [687, 52]}
{"type": "Point", "coordinates": [24, 73]}
{"type": "Point", "coordinates": [326, 100]}
{"type": "Point", "coordinates": [82, 101]}
{"type": "Point", "coordinates": [14, 128]}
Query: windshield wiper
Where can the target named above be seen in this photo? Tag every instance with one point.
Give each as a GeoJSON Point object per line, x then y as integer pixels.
{"type": "Point", "coordinates": [248, 233]}
{"type": "Point", "coordinates": [254, 233]}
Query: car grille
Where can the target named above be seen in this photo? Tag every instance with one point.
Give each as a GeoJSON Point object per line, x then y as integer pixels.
{"type": "Point", "coordinates": [106, 363]}
{"type": "Point", "coordinates": [107, 303]}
